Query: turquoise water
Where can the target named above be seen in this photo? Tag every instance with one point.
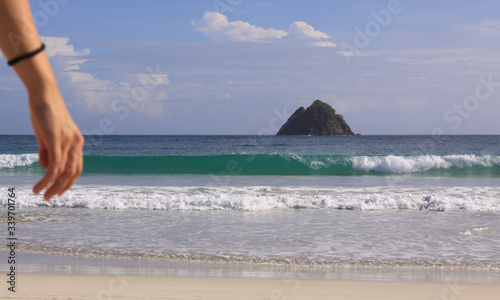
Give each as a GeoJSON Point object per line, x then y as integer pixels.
{"type": "Point", "coordinates": [397, 201]}
{"type": "Point", "coordinates": [279, 164]}
{"type": "Point", "coordinates": [320, 145]}
{"type": "Point", "coordinates": [449, 156]}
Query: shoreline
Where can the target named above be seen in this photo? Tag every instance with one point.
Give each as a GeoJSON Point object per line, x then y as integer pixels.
{"type": "Point", "coordinates": [28, 263]}
{"type": "Point", "coordinates": [54, 287]}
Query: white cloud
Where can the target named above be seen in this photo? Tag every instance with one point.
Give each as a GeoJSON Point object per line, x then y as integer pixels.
{"type": "Point", "coordinates": [57, 46]}
{"type": "Point", "coordinates": [302, 30]}
{"type": "Point", "coordinates": [345, 53]}
{"type": "Point", "coordinates": [216, 26]}
{"type": "Point", "coordinates": [324, 44]}
{"type": "Point", "coordinates": [79, 77]}
{"type": "Point", "coordinates": [98, 95]}
{"type": "Point", "coordinates": [148, 79]}
{"type": "Point", "coordinates": [489, 28]}
{"type": "Point", "coordinates": [450, 56]}
{"type": "Point", "coordinates": [67, 57]}
{"type": "Point", "coordinates": [85, 81]}
{"type": "Point", "coordinates": [73, 64]}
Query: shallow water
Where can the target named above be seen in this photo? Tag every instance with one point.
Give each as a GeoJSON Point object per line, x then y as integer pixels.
{"type": "Point", "coordinates": [401, 208]}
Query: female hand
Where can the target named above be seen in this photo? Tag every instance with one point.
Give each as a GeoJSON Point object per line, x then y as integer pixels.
{"type": "Point", "coordinates": [59, 140]}
{"type": "Point", "coordinates": [60, 144]}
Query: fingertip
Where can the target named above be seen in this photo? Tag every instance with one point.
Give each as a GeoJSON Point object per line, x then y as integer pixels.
{"type": "Point", "coordinates": [46, 180]}
{"type": "Point", "coordinates": [42, 184]}
{"type": "Point", "coordinates": [54, 190]}
{"type": "Point", "coordinates": [37, 188]}
{"type": "Point", "coordinates": [47, 196]}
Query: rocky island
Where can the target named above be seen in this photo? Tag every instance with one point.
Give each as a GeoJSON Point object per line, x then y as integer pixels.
{"type": "Point", "coordinates": [318, 119]}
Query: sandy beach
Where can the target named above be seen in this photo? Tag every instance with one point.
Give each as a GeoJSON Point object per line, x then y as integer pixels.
{"type": "Point", "coordinates": [42, 286]}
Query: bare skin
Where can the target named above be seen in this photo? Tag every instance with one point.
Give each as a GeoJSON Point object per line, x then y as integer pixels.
{"type": "Point", "coordinates": [59, 140]}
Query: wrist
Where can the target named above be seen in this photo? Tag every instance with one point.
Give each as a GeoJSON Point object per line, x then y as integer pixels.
{"type": "Point", "coordinates": [43, 86]}
{"type": "Point", "coordinates": [44, 97]}
{"type": "Point", "coordinates": [36, 75]}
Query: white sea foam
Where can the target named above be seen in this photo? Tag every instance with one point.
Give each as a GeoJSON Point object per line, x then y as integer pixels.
{"type": "Point", "coordinates": [387, 164]}
{"type": "Point", "coordinates": [261, 198]}
{"type": "Point", "coordinates": [480, 229]}
{"type": "Point", "coordinates": [274, 231]}
{"type": "Point", "coordinates": [17, 160]}
{"type": "Point", "coordinates": [404, 164]}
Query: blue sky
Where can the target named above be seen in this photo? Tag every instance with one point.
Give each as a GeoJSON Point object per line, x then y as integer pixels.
{"type": "Point", "coordinates": [242, 67]}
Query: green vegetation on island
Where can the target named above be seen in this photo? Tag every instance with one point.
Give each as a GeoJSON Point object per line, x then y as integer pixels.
{"type": "Point", "coordinates": [318, 119]}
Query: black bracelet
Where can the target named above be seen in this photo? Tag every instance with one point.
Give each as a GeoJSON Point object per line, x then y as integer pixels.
{"type": "Point", "coordinates": [25, 56]}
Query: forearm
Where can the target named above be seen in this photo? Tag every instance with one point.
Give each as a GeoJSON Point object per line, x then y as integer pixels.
{"type": "Point", "coordinates": [60, 142]}
{"type": "Point", "coordinates": [18, 33]}
{"type": "Point", "coordinates": [18, 36]}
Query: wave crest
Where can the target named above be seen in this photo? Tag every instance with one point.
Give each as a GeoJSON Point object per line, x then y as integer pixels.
{"type": "Point", "coordinates": [276, 164]}
{"type": "Point", "coordinates": [403, 164]}
{"type": "Point", "coordinates": [17, 160]}
{"type": "Point", "coordinates": [263, 198]}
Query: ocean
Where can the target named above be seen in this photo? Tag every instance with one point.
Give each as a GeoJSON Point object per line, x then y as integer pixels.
{"type": "Point", "coordinates": [407, 202]}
